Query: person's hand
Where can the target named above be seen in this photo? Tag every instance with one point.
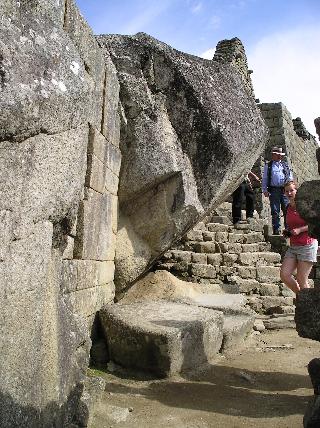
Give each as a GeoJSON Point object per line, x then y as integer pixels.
{"type": "Point", "coordinates": [296, 231]}
{"type": "Point", "coordinates": [266, 194]}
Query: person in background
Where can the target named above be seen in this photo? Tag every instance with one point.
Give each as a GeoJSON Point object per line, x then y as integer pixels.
{"type": "Point", "coordinates": [275, 174]}
{"type": "Point", "coordinates": [302, 252]}
{"type": "Point", "coordinates": [245, 190]}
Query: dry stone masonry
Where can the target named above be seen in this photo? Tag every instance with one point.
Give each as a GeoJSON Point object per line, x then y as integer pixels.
{"type": "Point", "coordinates": [233, 259]}
{"type": "Point", "coordinates": [112, 149]}
{"type": "Point", "coordinates": [59, 164]}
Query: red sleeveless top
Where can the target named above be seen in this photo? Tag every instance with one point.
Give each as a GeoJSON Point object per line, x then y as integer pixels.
{"type": "Point", "coordinates": [293, 221]}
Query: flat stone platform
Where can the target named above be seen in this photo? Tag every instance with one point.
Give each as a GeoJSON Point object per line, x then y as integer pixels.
{"type": "Point", "coordinates": [164, 338]}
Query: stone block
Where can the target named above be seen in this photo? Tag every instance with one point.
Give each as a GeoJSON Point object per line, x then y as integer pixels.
{"type": "Point", "coordinates": [270, 302]}
{"type": "Point", "coordinates": [162, 337]}
{"type": "Point", "coordinates": [229, 259]}
{"type": "Point", "coordinates": [208, 236]}
{"type": "Point", "coordinates": [221, 237]}
{"type": "Point", "coordinates": [193, 235]}
{"type": "Point", "coordinates": [255, 303]}
{"type": "Point", "coordinates": [226, 270]}
{"type": "Point", "coordinates": [88, 301]}
{"type": "Point", "coordinates": [247, 272]}
{"type": "Point", "coordinates": [268, 274]}
{"type": "Point", "coordinates": [245, 285]}
{"type": "Point", "coordinates": [181, 256]}
{"type": "Point", "coordinates": [269, 289]}
{"type": "Point", "coordinates": [216, 227]}
{"type": "Point", "coordinates": [250, 248]}
{"type": "Point", "coordinates": [111, 182]}
{"type": "Point", "coordinates": [253, 238]}
{"type": "Point", "coordinates": [248, 258]}
{"type": "Point", "coordinates": [94, 227]}
{"type": "Point", "coordinates": [81, 274]}
{"type": "Point", "coordinates": [235, 331]}
{"type": "Point", "coordinates": [199, 258]}
{"type": "Point", "coordinates": [203, 271]}
{"type": "Point", "coordinates": [214, 259]}
{"type": "Point", "coordinates": [280, 323]}
{"type": "Point", "coordinates": [236, 238]}
{"type": "Point", "coordinates": [230, 248]}
{"type": "Point", "coordinates": [205, 247]}
{"type": "Point", "coordinates": [111, 120]}
{"type": "Point", "coordinates": [96, 174]}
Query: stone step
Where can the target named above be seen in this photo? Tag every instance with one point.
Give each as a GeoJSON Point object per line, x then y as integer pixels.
{"type": "Point", "coordinates": [260, 258]}
{"type": "Point", "coordinates": [221, 219]}
{"type": "Point", "coordinates": [235, 330]}
{"type": "Point", "coordinates": [229, 304]}
{"type": "Point", "coordinates": [164, 338]}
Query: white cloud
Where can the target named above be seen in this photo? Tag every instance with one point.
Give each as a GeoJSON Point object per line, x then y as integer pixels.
{"type": "Point", "coordinates": [196, 8]}
{"type": "Point", "coordinates": [286, 68]}
{"type": "Point", "coordinates": [141, 20]}
{"type": "Point", "coordinates": [208, 54]}
{"type": "Point", "coordinates": [215, 22]}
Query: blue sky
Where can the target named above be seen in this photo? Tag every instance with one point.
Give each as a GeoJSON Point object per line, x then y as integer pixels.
{"type": "Point", "coordinates": [281, 38]}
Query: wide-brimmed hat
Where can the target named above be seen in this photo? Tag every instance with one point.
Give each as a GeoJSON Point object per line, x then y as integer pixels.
{"type": "Point", "coordinates": [278, 151]}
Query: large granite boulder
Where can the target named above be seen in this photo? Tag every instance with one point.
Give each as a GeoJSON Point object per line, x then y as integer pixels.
{"type": "Point", "coordinates": [190, 131]}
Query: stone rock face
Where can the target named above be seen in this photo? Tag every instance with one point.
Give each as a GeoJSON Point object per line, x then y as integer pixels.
{"type": "Point", "coordinates": [59, 163]}
{"type": "Point", "coordinates": [189, 133]}
{"type": "Point", "coordinates": [307, 315]}
{"type": "Point", "coordinates": [308, 205]}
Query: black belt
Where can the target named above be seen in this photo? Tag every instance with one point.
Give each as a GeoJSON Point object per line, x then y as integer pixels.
{"type": "Point", "coordinates": [276, 187]}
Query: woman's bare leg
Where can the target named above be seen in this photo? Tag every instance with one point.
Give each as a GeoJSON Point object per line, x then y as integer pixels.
{"type": "Point", "coordinates": [303, 271]}
{"type": "Point", "coordinates": [288, 266]}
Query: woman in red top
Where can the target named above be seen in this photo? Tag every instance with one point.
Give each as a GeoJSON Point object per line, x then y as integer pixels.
{"type": "Point", "coordinates": [302, 252]}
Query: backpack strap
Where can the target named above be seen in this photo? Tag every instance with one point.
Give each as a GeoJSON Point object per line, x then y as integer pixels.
{"type": "Point", "coordinates": [286, 171]}
{"type": "Point", "coordinates": [269, 175]}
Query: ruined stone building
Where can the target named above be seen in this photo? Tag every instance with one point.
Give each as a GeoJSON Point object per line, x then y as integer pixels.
{"type": "Point", "coordinates": [111, 150]}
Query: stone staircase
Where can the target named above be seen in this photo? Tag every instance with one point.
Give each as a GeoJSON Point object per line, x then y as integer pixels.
{"type": "Point", "coordinates": [202, 300]}
{"type": "Point", "coordinates": [233, 259]}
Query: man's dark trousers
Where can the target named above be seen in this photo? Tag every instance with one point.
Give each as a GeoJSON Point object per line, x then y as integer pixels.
{"type": "Point", "coordinates": [277, 200]}
{"type": "Point", "coordinates": [243, 191]}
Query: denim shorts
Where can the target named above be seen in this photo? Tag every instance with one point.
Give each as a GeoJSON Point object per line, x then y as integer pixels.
{"type": "Point", "coordinates": [305, 253]}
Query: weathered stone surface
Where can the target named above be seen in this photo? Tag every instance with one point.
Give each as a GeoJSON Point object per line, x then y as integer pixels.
{"type": "Point", "coordinates": [94, 227]}
{"type": "Point", "coordinates": [161, 337]}
{"type": "Point", "coordinates": [43, 178]}
{"type": "Point", "coordinates": [307, 314]}
{"type": "Point", "coordinates": [45, 88]}
{"type": "Point", "coordinates": [203, 271]}
{"type": "Point", "coordinates": [52, 343]}
{"type": "Point", "coordinates": [235, 331]}
{"type": "Point", "coordinates": [268, 273]}
{"type": "Point", "coordinates": [176, 135]}
{"type": "Point", "coordinates": [308, 205]}
{"type": "Point", "coordinates": [279, 323]}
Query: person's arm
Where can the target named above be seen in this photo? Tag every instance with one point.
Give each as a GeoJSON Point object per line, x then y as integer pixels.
{"type": "Point", "coordinates": [254, 176]}
{"type": "Point", "coordinates": [264, 180]}
{"type": "Point", "coordinates": [296, 231]}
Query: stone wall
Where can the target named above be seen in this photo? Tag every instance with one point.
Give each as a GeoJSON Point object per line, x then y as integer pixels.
{"type": "Point", "coordinates": [232, 52]}
{"type": "Point", "coordinates": [59, 169]}
{"type": "Point", "coordinates": [298, 144]}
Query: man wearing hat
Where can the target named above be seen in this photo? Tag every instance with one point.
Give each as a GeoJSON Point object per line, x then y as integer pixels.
{"type": "Point", "coordinates": [275, 174]}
